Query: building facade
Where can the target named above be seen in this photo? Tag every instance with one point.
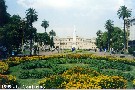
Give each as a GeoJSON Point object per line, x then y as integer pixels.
{"type": "Point", "coordinates": [131, 42]}
{"type": "Point", "coordinates": [81, 43]}
{"type": "Point", "coordinates": [132, 30]}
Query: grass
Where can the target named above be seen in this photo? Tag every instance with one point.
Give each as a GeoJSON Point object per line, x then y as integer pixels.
{"type": "Point", "coordinates": [74, 65]}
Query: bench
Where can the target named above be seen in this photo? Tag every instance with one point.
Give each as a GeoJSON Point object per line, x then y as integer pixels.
{"type": "Point", "coordinates": [122, 56]}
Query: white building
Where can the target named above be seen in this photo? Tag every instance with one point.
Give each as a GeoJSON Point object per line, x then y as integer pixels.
{"type": "Point", "coordinates": [81, 43]}
{"type": "Point", "coordinates": [132, 29]}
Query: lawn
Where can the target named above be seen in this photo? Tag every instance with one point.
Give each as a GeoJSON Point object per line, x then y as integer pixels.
{"type": "Point", "coordinates": [31, 72]}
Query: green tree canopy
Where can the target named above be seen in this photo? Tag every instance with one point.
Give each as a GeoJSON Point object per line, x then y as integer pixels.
{"type": "Point", "coordinates": [45, 24]}
{"type": "Point", "coordinates": [123, 13]}
{"type": "Point", "coordinates": [109, 26]}
{"type": "Point", "coordinates": [52, 33]}
{"type": "Point", "coordinates": [4, 16]}
{"type": "Point", "coordinates": [31, 16]}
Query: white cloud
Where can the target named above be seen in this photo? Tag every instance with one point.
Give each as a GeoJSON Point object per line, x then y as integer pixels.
{"type": "Point", "coordinates": [90, 13]}
{"type": "Point", "coordinates": [41, 4]}
{"type": "Point", "coordinates": [83, 4]}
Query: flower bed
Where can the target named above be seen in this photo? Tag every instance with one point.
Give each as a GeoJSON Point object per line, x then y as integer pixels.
{"type": "Point", "coordinates": [81, 78]}
{"type": "Point", "coordinates": [3, 67]}
{"type": "Point", "coordinates": [17, 60]}
{"type": "Point", "coordinates": [8, 81]}
{"type": "Point", "coordinates": [134, 83]}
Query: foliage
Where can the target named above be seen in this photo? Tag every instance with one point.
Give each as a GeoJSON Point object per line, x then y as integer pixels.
{"type": "Point", "coordinates": [110, 27]}
{"type": "Point", "coordinates": [45, 24]}
{"type": "Point", "coordinates": [8, 80]}
{"type": "Point", "coordinates": [3, 67]}
{"type": "Point", "coordinates": [123, 13]}
{"type": "Point", "coordinates": [80, 78]}
{"type": "Point", "coordinates": [4, 16]}
{"type": "Point", "coordinates": [31, 16]}
{"type": "Point", "coordinates": [12, 33]}
{"type": "Point", "coordinates": [116, 36]}
{"type": "Point", "coordinates": [51, 42]}
{"type": "Point", "coordinates": [126, 76]}
{"type": "Point", "coordinates": [35, 74]}
{"type": "Point", "coordinates": [43, 38]}
{"type": "Point", "coordinates": [17, 60]}
{"type": "Point", "coordinates": [131, 49]}
{"type": "Point", "coordinates": [99, 39]}
{"type": "Point", "coordinates": [117, 39]}
{"type": "Point", "coordinates": [57, 69]}
{"type": "Point", "coordinates": [134, 83]}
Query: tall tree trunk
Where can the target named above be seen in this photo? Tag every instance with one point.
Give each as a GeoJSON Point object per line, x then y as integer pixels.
{"type": "Point", "coordinates": [30, 45]}
{"type": "Point", "coordinates": [127, 39]}
{"type": "Point", "coordinates": [31, 41]}
{"type": "Point", "coordinates": [108, 41]}
{"type": "Point", "coordinates": [22, 42]}
{"type": "Point", "coordinates": [45, 29]}
{"type": "Point", "coordinates": [124, 37]}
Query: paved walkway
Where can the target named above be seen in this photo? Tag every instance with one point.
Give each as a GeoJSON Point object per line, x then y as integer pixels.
{"type": "Point", "coordinates": [47, 52]}
{"type": "Point", "coordinates": [96, 53]}
{"type": "Point", "coordinates": [129, 56]}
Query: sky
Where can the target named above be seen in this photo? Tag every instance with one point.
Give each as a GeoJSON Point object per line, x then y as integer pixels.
{"type": "Point", "coordinates": [88, 16]}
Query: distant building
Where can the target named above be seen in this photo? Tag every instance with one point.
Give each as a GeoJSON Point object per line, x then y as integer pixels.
{"type": "Point", "coordinates": [81, 43]}
{"type": "Point", "coordinates": [132, 33]}
{"type": "Point", "coordinates": [132, 29]}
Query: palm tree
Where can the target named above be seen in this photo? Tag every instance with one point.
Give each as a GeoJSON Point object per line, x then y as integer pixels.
{"type": "Point", "coordinates": [31, 16]}
{"type": "Point", "coordinates": [52, 33]}
{"type": "Point", "coordinates": [110, 27]}
{"type": "Point", "coordinates": [123, 13]}
{"type": "Point", "coordinates": [45, 24]}
{"type": "Point", "coordinates": [99, 32]}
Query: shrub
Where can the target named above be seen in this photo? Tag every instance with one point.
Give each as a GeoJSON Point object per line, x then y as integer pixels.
{"type": "Point", "coordinates": [57, 69]}
{"type": "Point", "coordinates": [126, 76]}
{"type": "Point", "coordinates": [35, 74]}
{"type": "Point", "coordinates": [131, 49]}
{"type": "Point", "coordinates": [3, 67]}
{"type": "Point", "coordinates": [111, 82]}
{"type": "Point", "coordinates": [80, 70]}
{"type": "Point", "coordinates": [53, 82]}
{"type": "Point", "coordinates": [78, 78]}
{"type": "Point", "coordinates": [134, 83]}
{"type": "Point", "coordinates": [24, 74]}
{"type": "Point", "coordinates": [9, 81]}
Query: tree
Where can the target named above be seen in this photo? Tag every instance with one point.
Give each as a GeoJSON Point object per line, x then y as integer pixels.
{"type": "Point", "coordinates": [110, 27]}
{"type": "Point", "coordinates": [98, 39]}
{"type": "Point", "coordinates": [104, 39]}
{"type": "Point", "coordinates": [116, 36]}
{"type": "Point", "coordinates": [117, 39]}
{"type": "Point", "coordinates": [45, 24]}
{"type": "Point", "coordinates": [52, 34]}
{"type": "Point", "coordinates": [4, 16]}
{"type": "Point", "coordinates": [123, 13]}
{"type": "Point", "coordinates": [43, 38]}
{"type": "Point", "coordinates": [99, 33]}
{"type": "Point", "coordinates": [31, 16]}
{"type": "Point", "coordinates": [11, 34]}
{"type": "Point", "coordinates": [23, 34]}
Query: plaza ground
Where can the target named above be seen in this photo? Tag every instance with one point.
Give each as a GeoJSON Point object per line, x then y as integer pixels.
{"type": "Point", "coordinates": [129, 56]}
